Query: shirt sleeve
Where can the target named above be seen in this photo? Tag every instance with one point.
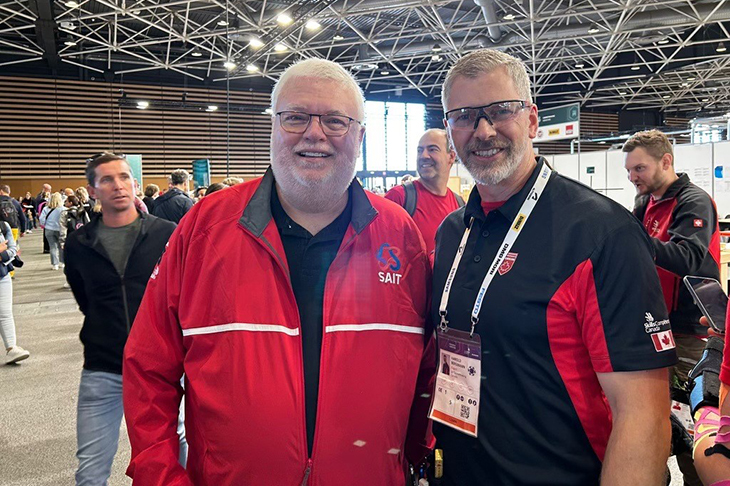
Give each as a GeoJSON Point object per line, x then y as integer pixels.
{"type": "Point", "coordinates": [397, 195]}
{"type": "Point", "coordinates": [621, 311]}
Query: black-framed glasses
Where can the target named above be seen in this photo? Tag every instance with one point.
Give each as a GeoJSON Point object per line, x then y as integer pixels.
{"type": "Point", "coordinates": [332, 125]}
{"type": "Point", "coordinates": [495, 113]}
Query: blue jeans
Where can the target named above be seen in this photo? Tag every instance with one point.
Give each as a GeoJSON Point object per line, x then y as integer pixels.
{"type": "Point", "coordinates": [99, 416]}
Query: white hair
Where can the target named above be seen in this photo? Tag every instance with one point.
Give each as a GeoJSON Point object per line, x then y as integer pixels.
{"type": "Point", "coordinates": [483, 61]}
{"type": "Point", "coordinates": [321, 69]}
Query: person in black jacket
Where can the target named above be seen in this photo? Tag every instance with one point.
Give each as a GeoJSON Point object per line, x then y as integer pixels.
{"type": "Point", "coordinates": [108, 263]}
{"type": "Point", "coordinates": [173, 205]}
{"type": "Point", "coordinates": [682, 221]}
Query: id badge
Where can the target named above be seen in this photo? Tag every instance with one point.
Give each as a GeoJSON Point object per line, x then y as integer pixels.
{"type": "Point", "coordinates": [456, 399]}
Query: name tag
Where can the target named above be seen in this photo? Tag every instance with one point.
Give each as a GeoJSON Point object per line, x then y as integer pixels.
{"type": "Point", "coordinates": [456, 399]}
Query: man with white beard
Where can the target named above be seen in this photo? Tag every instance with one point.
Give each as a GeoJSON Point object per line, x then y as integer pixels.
{"type": "Point", "coordinates": [546, 292]}
{"type": "Point", "coordinates": [296, 306]}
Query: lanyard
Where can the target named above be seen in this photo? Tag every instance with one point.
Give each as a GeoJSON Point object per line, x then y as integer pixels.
{"type": "Point", "coordinates": [519, 222]}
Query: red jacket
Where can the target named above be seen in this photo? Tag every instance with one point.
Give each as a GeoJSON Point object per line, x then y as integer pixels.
{"type": "Point", "coordinates": [220, 308]}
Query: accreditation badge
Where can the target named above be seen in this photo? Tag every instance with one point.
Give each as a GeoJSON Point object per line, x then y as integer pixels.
{"type": "Point", "coordinates": [456, 399]}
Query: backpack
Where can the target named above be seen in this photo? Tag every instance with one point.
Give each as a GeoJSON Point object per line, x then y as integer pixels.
{"type": "Point", "coordinates": [75, 219]}
{"type": "Point", "coordinates": [8, 213]}
{"type": "Point", "coordinates": [412, 198]}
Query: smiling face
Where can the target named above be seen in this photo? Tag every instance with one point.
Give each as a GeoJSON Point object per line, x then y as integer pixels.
{"type": "Point", "coordinates": [113, 186]}
{"type": "Point", "coordinates": [492, 154]}
{"type": "Point", "coordinates": [314, 170]}
{"type": "Point", "coordinates": [434, 156]}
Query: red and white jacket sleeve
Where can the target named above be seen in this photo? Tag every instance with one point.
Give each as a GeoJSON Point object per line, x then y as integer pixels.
{"type": "Point", "coordinates": [153, 366]}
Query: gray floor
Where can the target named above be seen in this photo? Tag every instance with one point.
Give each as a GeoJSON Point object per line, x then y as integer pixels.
{"type": "Point", "coordinates": [38, 396]}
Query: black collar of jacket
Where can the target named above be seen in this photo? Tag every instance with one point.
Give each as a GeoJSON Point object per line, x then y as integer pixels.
{"type": "Point", "coordinates": [510, 208]}
{"type": "Point", "coordinates": [89, 236]}
{"type": "Point", "coordinates": [257, 214]}
{"type": "Point", "coordinates": [676, 187]}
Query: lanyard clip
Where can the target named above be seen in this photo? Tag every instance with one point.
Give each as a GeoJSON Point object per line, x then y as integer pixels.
{"type": "Point", "coordinates": [474, 322]}
{"type": "Point", "coordinates": [444, 324]}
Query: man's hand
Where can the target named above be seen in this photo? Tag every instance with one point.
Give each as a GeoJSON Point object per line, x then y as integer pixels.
{"type": "Point", "coordinates": [710, 331]}
{"type": "Point", "coordinates": [3, 246]}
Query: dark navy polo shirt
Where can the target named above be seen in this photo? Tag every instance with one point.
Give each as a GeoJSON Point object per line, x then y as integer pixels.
{"type": "Point", "coordinates": [580, 297]}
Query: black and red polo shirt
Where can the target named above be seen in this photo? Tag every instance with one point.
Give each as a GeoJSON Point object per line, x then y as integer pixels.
{"type": "Point", "coordinates": [579, 295]}
{"type": "Point", "coordinates": [685, 232]}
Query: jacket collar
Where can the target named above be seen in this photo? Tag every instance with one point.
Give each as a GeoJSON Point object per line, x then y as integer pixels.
{"type": "Point", "coordinates": [676, 187]}
{"type": "Point", "coordinates": [257, 214]}
{"type": "Point", "coordinates": [511, 207]}
{"type": "Point", "coordinates": [89, 235]}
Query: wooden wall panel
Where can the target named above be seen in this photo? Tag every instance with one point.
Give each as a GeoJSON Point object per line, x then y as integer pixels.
{"type": "Point", "coordinates": [49, 128]}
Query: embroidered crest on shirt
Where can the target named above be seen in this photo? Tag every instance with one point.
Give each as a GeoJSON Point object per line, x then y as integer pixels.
{"type": "Point", "coordinates": [698, 223]}
{"type": "Point", "coordinates": [506, 265]}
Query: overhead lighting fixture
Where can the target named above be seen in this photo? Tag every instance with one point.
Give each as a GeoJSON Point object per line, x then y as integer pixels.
{"type": "Point", "coordinates": [721, 47]}
{"type": "Point", "coordinates": [255, 42]}
{"type": "Point", "coordinates": [284, 19]}
{"type": "Point", "coordinates": [312, 25]}
{"type": "Point", "coordinates": [705, 100]}
{"type": "Point", "coordinates": [436, 48]}
{"type": "Point", "coordinates": [252, 68]}
{"type": "Point", "coordinates": [280, 47]}
{"type": "Point", "coordinates": [222, 23]}
{"type": "Point", "coordinates": [268, 111]}
{"type": "Point", "coordinates": [143, 104]}
{"type": "Point", "coordinates": [68, 25]}
{"type": "Point", "coordinates": [230, 65]}
{"type": "Point", "coordinates": [579, 65]}
{"type": "Point", "coordinates": [509, 17]}
{"type": "Point", "coordinates": [622, 93]}
{"type": "Point", "coordinates": [70, 43]}
{"type": "Point", "coordinates": [384, 72]}
{"type": "Point", "coordinates": [196, 53]}
{"type": "Point", "coordinates": [684, 85]}
{"type": "Point", "coordinates": [211, 108]}
{"type": "Point", "coordinates": [593, 29]}
{"type": "Point", "coordinates": [692, 78]}
{"type": "Point", "coordinates": [663, 41]}
{"type": "Point", "coordinates": [436, 57]}
{"type": "Point", "coordinates": [337, 37]}
{"type": "Point", "coordinates": [665, 97]}
{"type": "Point", "coordinates": [602, 141]}
{"type": "Point", "coordinates": [72, 4]}
{"type": "Point", "coordinates": [635, 67]}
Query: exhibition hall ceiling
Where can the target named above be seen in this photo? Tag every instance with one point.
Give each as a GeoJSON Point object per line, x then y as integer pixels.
{"type": "Point", "coordinates": [670, 55]}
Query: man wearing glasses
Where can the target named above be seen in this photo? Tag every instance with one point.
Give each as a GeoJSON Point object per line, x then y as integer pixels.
{"type": "Point", "coordinates": [547, 291]}
{"type": "Point", "coordinates": [303, 340]}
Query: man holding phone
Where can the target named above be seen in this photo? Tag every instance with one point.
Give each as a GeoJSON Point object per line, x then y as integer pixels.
{"type": "Point", "coordinates": [681, 220]}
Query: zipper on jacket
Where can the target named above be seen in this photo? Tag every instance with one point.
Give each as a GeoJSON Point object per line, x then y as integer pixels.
{"type": "Point", "coordinates": [126, 305]}
{"type": "Point", "coordinates": [307, 472]}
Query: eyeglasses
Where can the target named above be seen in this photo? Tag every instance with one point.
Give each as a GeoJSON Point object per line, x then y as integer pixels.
{"type": "Point", "coordinates": [332, 125]}
{"type": "Point", "coordinates": [495, 113]}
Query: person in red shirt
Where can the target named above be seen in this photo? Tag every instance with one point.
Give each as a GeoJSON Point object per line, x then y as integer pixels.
{"type": "Point", "coordinates": [434, 200]}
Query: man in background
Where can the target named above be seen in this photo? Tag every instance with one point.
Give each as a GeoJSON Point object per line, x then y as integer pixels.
{"type": "Point", "coordinates": [173, 205]}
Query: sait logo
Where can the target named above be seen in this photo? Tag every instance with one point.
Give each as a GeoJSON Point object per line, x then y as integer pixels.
{"type": "Point", "coordinates": [389, 261]}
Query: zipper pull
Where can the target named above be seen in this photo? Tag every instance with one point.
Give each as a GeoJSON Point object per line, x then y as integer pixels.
{"type": "Point", "coordinates": [307, 472]}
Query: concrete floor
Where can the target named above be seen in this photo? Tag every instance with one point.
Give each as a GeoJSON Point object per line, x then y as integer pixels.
{"type": "Point", "coordinates": [38, 396]}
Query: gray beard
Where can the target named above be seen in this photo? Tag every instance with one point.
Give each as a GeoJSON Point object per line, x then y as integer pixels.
{"type": "Point", "coordinates": [311, 197]}
{"type": "Point", "coordinates": [494, 174]}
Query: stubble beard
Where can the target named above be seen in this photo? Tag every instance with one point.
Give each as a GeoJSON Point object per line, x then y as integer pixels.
{"type": "Point", "coordinates": [493, 174]}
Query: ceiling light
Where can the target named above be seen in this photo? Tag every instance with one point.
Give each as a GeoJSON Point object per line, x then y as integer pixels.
{"type": "Point", "coordinates": [384, 72]}
{"type": "Point", "coordinates": [509, 17]}
{"type": "Point", "coordinates": [284, 19]}
{"type": "Point", "coordinates": [684, 85]}
{"type": "Point", "coordinates": [280, 47]}
{"type": "Point", "coordinates": [255, 42]}
{"type": "Point", "coordinates": [268, 111]}
{"type": "Point", "coordinates": [665, 97]}
{"type": "Point", "coordinates": [721, 47]}
{"type": "Point", "coordinates": [602, 141]}
{"type": "Point", "coordinates": [72, 4]}
{"type": "Point", "coordinates": [68, 25]}
{"type": "Point", "coordinates": [70, 43]}
{"type": "Point", "coordinates": [230, 65]}
{"type": "Point", "coordinates": [436, 57]}
{"type": "Point", "coordinates": [222, 23]}
{"type": "Point", "coordinates": [196, 53]}
{"type": "Point", "coordinates": [593, 29]}
{"type": "Point", "coordinates": [663, 41]}
{"type": "Point", "coordinates": [715, 126]}
{"type": "Point", "coordinates": [436, 48]}
{"type": "Point", "coordinates": [338, 37]}
{"type": "Point", "coordinates": [143, 104]}
{"type": "Point", "coordinates": [252, 68]}
{"type": "Point", "coordinates": [312, 25]}
{"type": "Point", "coordinates": [579, 65]}
{"type": "Point", "coordinates": [705, 100]}
{"type": "Point", "coordinates": [211, 108]}
{"type": "Point", "coordinates": [692, 78]}
{"type": "Point", "coordinates": [635, 67]}
{"type": "Point", "coordinates": [135, 12]}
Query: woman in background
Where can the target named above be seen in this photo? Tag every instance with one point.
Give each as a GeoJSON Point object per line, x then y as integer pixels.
{"type": "Point", "coordinates": [8, 250]}
{"type": "Point", "coordinates": [51, 221]}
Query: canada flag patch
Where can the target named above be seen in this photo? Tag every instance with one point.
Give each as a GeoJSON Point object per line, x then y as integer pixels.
{"type": "Point", "coordinates": [698, 223]}
{"type": "Point", "coordinates": [663, 341]}
{"type": "Point", "coordinates": [506, 265]}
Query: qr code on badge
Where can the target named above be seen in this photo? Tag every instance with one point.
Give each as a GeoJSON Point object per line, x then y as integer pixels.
{"type": "Point", "coordinates": [465, 410]}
